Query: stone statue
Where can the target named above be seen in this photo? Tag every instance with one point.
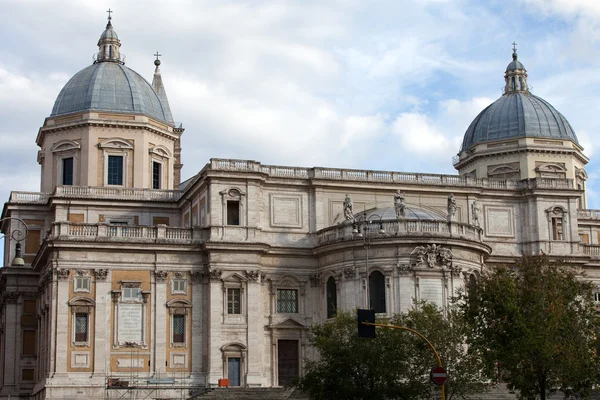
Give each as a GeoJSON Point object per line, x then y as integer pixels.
{"type": "Point", "coordinates": [451, 207]}
{"type": "Point", "coordinates": [475, 212]}
{"type": "Point", "coordinates": [399, 204]}
{"type": "Point", "coordinates": [348, 214]}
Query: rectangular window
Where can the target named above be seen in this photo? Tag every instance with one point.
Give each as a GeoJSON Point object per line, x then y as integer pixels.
{"type": "Point", "coordinates": [233, 212]}
{"type": "Point", "coordinates": [29, 343]}
{"type": "Point", "coordinates": [287, 300]}
{"type": "Point", "coordinates": [178, 328]}
{"type": "Point", "coordinates": [557, 228]}
{"type": "Point", "coordinates": [81, 284]}
{"type": "Point", "coordinates": [115, 170]}
{"type": "Point", "coordinates": [132, 294]}
{"type": "Point", "coordinates": [234, 301]}
{"type": "Point", "coordinates": [584, 238]}
{"type": "Point", "coordinates": [67, 171]}
{"type": "Point", "coordinates": [156, 174]}
{"type": "Point", "coordinates": [597, 297]}
{"type": "Point", "coordinates": [81, 327]}
{"type": "Point", "coordinates": [114, 231]}
{"type": "Point", "coordinates": [179, 286]}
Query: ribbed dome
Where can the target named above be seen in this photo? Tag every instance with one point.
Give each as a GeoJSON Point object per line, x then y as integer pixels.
{"type": "Point", "coordinates": [515, 64]}
{"type": "Point", "coordinates": [515, 115]}
{"type": "Point", "coordinates": [110, 86]}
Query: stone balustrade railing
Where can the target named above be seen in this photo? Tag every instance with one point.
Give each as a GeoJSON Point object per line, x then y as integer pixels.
{"type": "Point", "coordinates": [403, 227]}
{"type": "Point", "coordinates": [84, 231]}
{"type": "Point", "coordinates": [88, 192]}
{"type": "Point", "coordinates": [588, 214]}
{"type": "Point", "coordinates": [590, 249]}
{"type": "Point", "coordinates": [29, 197]}
{"type": "Point", "coordinates": [219, 164]}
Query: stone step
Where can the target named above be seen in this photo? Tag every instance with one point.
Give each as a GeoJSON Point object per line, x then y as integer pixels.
{"type": "Point", "coordinates": [251, 394]}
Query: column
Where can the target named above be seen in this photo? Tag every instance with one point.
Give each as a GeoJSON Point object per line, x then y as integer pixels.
{"type": "Point", "coordinates": [102, 322]}
{"type": "Point", "coordinates": [62, 322]}
{"type": "Point", "coordinates": [214, 326]}
{"type": "Point", "coordinates": [255, 328]}
{"type": "Point", "coordinates": [197, 350]}
{"type": "Point", "coordinates": [160, 321]}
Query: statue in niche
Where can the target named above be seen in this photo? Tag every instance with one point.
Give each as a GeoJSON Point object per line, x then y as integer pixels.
{"type": "Point", "coordinates": [348, 214]}
{"type": "Point", "coordinates": [475, 212]}
{"type": "Point", "coordinates": [399, 204]}
{"type": "Point", "coordinates": [451, 207]}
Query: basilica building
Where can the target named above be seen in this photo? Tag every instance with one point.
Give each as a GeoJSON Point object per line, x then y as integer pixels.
{"type": "Point", "coordinates": [119, 276]}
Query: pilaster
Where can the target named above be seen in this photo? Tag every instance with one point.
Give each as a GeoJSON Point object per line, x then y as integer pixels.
{"type": "Point", "coordinates": [197, 352]}
{"type": "Point", "coordinates": [102, 322]}
{"type": "Point", "coordinates": [255, 330]}
{"type": "Point", "coordinates": [160, 318]}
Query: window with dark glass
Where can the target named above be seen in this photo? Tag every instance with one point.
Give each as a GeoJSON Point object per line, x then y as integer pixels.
{"type": "Point", "coordinates": [156, 174]}
{"type": "Point", "coordinates": [178, 328]}
{"type": "Point", "coordinates": [287, 300]}
{"type": "Point", "coordinates": [115, 170]}
{"type": "Point", "coordinates": [331, 297]}
{"type": "Point", "coordinates": [234, 301]}
{"type": "Point", "coordinates": [233, 212]}
{"type": "Point", "coordinates": [67, 171]}
{"type": "Point", "coordinates": [81, 327]}
{"type": "Point", "coordinates": [377, 292]}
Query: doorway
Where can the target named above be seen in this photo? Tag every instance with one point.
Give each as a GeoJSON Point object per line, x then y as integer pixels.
{"type": "Point", "coordinates": [234, 365]}
{"type": "Point", "coordinates": [288, 361]}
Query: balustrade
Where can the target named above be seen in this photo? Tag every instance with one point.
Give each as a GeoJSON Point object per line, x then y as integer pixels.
{"type": "Point", "coordinates": [116, 232]}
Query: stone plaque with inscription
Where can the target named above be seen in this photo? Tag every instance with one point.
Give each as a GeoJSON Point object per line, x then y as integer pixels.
{"type": "Point", "coordinates": [130, 323]}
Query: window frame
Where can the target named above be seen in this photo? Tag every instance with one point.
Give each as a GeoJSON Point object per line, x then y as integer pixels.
{"type": "Point", "coordinates": [295, 301]}
{"type": "Point", "coordinates": [229, 301]}
{"type": "Point", "coordinates": [87, 279]}
{"type": "Point", "coordinates": [157, 182]}
{"type": "Point", "coordinates": [82, 306]}
{"type": "Point", "coordinates": [181, 308]}
{"type": "Point", "coordinates": [108, 172]}
{"type": "Point", "coordinates": [331, 312]}
{"type": "Point", "coordinates": [176, 282]}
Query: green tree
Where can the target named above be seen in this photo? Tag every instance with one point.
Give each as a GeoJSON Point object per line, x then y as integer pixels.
{"type": "Point", "coordinates": [536, 321]}
{"type": "Point", "coordinates": [396, 364]}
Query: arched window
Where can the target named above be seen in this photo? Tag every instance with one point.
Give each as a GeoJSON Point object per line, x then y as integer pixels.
{"type": "Point", "coordinates": [377, 292]}
{"type": "Point", "coordinates": [331, 297]}
{"type": "Point", "coordinates": [514, 84]}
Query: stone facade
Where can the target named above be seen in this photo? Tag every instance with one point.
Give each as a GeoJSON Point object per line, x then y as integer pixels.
{"type": "Point", "coordinates": [169, 290]}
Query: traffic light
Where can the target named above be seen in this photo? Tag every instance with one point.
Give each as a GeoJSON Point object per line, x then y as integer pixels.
{"type": "Point", "coordinates": [366, 331]}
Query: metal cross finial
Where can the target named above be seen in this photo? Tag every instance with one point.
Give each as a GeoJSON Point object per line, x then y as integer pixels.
{"type": "Point", "coordinates": [157, 55]}
{"type": "Point", "coordinates": [514, 47]}
{"type": "Point", "coordinates": [109, 12]}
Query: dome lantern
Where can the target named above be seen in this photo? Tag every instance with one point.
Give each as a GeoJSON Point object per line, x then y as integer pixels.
{"type": "Point", "coordinates": [109, 44]}
{"type": "Point", "coordinates": [516, 75]}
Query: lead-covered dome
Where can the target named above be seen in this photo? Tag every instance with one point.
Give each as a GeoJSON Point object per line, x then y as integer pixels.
{"type": "Point", "coordinates": [108, 85]}
{"type": "Point", "coordinates": [516, 114]}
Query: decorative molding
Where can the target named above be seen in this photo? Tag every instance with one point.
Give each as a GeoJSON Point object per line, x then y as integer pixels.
{"type": "Point", "coordinates": [404, 269]}
{"type": "Point", "coordinates": [115, 295]}
{"type": "Point", "coordinates": [349, 272]}
{"type": "Point", "coordinates": [82, 272]}
{"type": "Point", "coordinates": [11, 297]}
{"type": "Point", "coordinates": [62, 274]}
{"type": "Point", "coordinates": [197, 277]}
{"type": "Point", "coordinates": [146, 295]}
{"type": "Point", "coordinates": [101, 274]}
{"type": "Point", "coordinates": [178, 274]}
{"type": "Point", "coordinates": [315, 279]}
{"type": "Point", "coordinates": [160, 276]}
{"type": "Point", "coordinates": [213, 273]}
{"type": "Point", "coordinates": [433, 255]}
{"type": "Point", "coordinates": [253, 275]}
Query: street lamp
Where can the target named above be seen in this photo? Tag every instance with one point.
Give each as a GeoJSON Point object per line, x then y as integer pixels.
{"type": "Point", "coordinates": [361, 228]}
{"type": "Point", "coordinates": [18, 235]}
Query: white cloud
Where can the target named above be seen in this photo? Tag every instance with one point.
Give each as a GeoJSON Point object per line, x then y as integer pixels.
{"type": "Point", "coordinates": [419, 135]}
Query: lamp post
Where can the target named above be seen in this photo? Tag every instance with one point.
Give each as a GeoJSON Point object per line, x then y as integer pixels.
{"type": "Point", "coordinates": [361, 228]}
{"type": "Point", "coordinates": [18, 235]}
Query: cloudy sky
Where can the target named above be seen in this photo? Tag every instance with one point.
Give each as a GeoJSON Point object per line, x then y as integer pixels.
{"type": "Point", "coordinates": [379, 84]}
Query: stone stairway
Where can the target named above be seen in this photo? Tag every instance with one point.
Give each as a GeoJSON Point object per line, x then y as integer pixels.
{"type": "Point", "coordinates": [251, 393]}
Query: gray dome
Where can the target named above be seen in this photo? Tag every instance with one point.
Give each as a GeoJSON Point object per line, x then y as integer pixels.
{"type": "Point", "coordinates": [515, 115]}
{"type": "Point", "coordinates": [110, 86]}
{"type": "Point", "coordinates": [515, 64]}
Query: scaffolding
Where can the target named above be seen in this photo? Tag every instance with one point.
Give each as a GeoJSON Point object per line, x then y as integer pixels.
{"type": "Point", "coordinates": [138, 384]}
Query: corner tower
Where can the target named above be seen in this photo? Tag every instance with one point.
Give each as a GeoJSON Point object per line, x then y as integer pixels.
{"type": "Point", "coordinates": [521, 136]}
{"type": "Point", "coordinates": [109, 127]}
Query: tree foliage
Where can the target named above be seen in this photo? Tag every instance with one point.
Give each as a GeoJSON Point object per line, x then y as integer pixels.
{"type": "Point", "coordinates": [537, 325]}
{"type": "Point", "coordinates": [396, 364]}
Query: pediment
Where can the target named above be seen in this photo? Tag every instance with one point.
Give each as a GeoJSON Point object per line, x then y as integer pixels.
{"type": "Point", "coordinates": [288, 323]}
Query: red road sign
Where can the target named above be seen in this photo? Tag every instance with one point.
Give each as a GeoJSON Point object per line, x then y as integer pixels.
{"type": "Point", "coordinates": [438, 375]}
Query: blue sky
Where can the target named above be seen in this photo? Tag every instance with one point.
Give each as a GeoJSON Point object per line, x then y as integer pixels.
{"type": "Point", "coordinates": [389, 85]}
